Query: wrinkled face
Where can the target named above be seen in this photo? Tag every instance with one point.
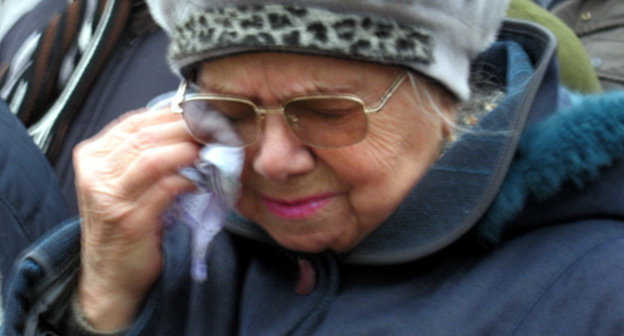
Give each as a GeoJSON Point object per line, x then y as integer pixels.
{"type": "Point", "coordinates": [314, 199]}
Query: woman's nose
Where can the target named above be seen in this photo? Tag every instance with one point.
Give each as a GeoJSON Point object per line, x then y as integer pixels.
{"type": "Point", "coordinates": [279, 153]}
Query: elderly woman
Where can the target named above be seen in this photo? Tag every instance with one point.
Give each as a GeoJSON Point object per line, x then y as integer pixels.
{"type": "Point", "coordinates": [403, 173]}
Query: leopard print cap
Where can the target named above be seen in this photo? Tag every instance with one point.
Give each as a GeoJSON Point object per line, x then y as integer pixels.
{"type": "Point", "coordinates": [298, 29]}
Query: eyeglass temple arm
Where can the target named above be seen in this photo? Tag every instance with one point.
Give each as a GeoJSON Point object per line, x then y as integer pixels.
{"type": "Point", "coordinates": [176, 101]}
{"type": "Point", "coordinates": [391, 89]}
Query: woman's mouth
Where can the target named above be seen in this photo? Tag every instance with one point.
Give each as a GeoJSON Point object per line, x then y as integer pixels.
{"type": "Point", "coordinates": [296, 209]}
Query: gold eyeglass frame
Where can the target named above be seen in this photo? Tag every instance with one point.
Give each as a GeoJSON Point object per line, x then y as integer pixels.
{"type": "Point", "coordinates": [180, 97]}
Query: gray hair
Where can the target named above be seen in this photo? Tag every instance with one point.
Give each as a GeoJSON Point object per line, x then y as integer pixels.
{"type": "Point", "coordinates": [485, 97]}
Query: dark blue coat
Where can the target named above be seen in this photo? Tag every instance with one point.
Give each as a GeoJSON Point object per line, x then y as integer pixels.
{"type": "Point", "coordinates": [517, 230]}
{"type": "Point", "coordinates": [30, 201]}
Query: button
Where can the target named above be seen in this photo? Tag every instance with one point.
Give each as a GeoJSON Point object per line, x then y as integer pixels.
{"type": "Point", "coordinates": [586, 16]}
{"type": "Point", "coordinates": [596, 62]}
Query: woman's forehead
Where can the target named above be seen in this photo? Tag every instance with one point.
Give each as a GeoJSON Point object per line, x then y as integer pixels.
{"type": "Point", "coordinates": [244, 74]}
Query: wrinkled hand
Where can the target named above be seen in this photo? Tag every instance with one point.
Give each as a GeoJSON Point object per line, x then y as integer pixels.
{"type": "Point", "coordinates": [126, 177]}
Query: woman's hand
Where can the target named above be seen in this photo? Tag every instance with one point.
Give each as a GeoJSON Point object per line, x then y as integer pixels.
{"type": "Point", "coordinates": [126, 177]}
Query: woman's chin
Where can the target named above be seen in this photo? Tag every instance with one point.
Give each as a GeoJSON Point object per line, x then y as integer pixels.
{"type": "Point", "coordinates": [315, 242]}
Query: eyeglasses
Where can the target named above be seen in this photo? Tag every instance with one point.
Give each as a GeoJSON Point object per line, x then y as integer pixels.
{"type": "Point", "coordinates": [320, 121]}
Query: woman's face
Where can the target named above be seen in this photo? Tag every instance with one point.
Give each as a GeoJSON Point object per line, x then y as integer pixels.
{"type": "Point", "coordinates": [314, 199]}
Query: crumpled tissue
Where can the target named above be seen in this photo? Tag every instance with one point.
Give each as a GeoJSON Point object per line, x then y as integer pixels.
{"type": "Point", "coordinates": [216, 174]}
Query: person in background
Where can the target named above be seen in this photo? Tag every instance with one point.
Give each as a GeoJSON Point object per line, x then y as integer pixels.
{"type": "Point", "coordinates": [425, 158]}
{"type": "Point", "coordinates": [600, 27]}
{"type": "Point", "coordinates": [577, 74]}
{"type": "Point", "coordinates": [67, 92]}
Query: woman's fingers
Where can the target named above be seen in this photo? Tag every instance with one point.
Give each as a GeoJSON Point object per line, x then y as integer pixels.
{"type": "Point", "coordinates": [155, 167]}
{"type": "Point", "coordinates": [123, 143]}
{"type": "Point", "coordinates": [159, 197]}
{"type": "Point", "coordinates": [146, 154]}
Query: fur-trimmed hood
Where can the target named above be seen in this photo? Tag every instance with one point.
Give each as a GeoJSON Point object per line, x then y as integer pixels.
{"type": "Point", "coordinates": [565, 153]}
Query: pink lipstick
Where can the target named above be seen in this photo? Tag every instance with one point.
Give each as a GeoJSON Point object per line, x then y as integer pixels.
{"type": "Point", "coordinates": [296, 209]}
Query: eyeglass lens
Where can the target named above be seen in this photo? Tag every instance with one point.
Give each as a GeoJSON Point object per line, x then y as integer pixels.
{"type": "Point", "coordinates": [230, 123]}
{"type": "Point", "coordinates": [323, 121]}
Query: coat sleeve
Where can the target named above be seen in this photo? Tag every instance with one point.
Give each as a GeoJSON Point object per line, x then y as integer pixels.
{"type": "Point", "coordinates": [38, 294]}
{"type": "Point", "coordinates": [40, 298]}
